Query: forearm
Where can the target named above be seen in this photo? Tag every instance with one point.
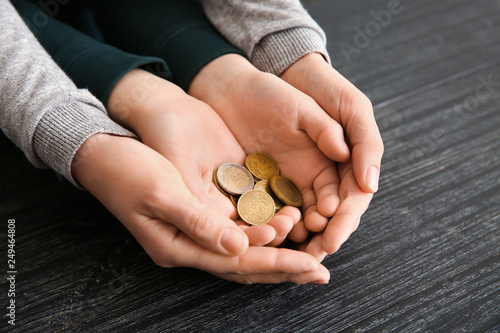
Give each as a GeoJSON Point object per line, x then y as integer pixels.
{"type": "Point", "coordinates": [178, 32]}
{"type": "Point", "coordinates": [41, 110]}
{"type": "Point", "coordinates": [273, 34]}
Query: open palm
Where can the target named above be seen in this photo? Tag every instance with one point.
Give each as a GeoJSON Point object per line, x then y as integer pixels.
{"type": "Point", "coordinates": [196, 141]}
{"type": "Point", "coordinates": [266, 114]}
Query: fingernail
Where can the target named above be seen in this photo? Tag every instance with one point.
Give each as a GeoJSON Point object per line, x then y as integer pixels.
{"type": "Point", "coordinates": [371, 178]}
{"type": "Point", "coordinates": [233, 241]}
{"type": "Point", "coordinates": [320, 282]}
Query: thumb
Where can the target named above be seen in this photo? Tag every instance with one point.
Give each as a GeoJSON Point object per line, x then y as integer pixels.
{"type": "Point", "coordinates": [325, 131]}
{"type": "Point", "coordinates": [206, 226]}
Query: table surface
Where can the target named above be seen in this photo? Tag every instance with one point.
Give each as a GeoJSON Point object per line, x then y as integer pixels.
{"type": "Point", "coordinates": [425, 257]}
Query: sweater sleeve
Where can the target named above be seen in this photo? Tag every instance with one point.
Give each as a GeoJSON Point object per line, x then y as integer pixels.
{"type": "Point", "coordinates": [176, 31]}
{"type": "Point", "coordinates": [41, 110]}
{"type": "Point", "coordinates": [274, 34]}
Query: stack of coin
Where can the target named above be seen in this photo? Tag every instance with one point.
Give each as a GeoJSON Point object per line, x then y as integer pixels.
{"type": "Point", "coordinates": [258, 191]}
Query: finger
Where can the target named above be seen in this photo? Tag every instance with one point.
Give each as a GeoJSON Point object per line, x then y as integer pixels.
{"type": "Point", "coordinates": [315, 247]}
{"type": "Point", "coordinates": [283, 224]}
{"type": "Point", "coordinates": [346, 219]}
{"type": "Point", "coordinates": [366, 160]}
{"type": "Point", "coordinates": [256, 260]}
{"type": "Point", "coordinates": [325, 131]}
{"type": "Point", "coordinates": [356, 115]}
{"type": "Point", "coordinates": [299, 233]}
{"type": "Point", "coordinates": [313, 220]}
{"type": "Point", "coordinates": [169, 247]}
{"type": "Point", "coordinates": [326, 187]}
{"type": "Point", "coordinates": [259, 235]}
{"type": "Point", "coordinates": [209, 228]}
{"type": "Point", "coordinates": [284, 220]}
{"type": "Point", "coordinates": [275, 231]}
{"type": "Point", "coordinates": [319, 276]}
{"type": "Point", "coordinates": [366, 142]}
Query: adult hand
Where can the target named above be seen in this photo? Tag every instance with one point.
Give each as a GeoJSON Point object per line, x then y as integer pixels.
{"type": "Point", "coordinates": [148, 195]}
{"type": "Point", "coordinates": [353, 110]}
{"type": "Point", "coordinates": [267, 114]}
{"type": "Point", "coordinates": [194, 139]}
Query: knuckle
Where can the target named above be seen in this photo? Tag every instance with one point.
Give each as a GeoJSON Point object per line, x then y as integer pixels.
{"type": "Point", "coordinates": [164, 262]}
{"type": "Point", "coordinates": [245, 280]}
{"type": "Point", "coordinates": [361, 104]}
{"type": "Point", "coordinates": [155, 196]}
{"type": "Point", "coordinates": [332, 248]}
{"type": "Point", "coordinates": [201, 226]}
{"type": "Point", "coordinates": [377, 145]}
{"type": "Point", "coordinates": [355, 225]}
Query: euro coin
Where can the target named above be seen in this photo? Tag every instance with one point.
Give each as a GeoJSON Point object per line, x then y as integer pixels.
{"type": "Point", "coordinates": [218, 186]}
{"type": "Point", "coordinates": [234, 178]}
{"type": "Point", "coordinates": [263, 185]}
{"type": "Point", "coordinates": [286, 191]}
{"type": "Point", "coordinates": [256, 207]}
{"type": "Point", "coordinates": [262, 165]}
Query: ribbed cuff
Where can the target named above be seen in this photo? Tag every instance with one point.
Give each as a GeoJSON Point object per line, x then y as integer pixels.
{"type": "Point", "coordinates": [278, 51]}
{"type": "Point", "coordinates": [63, 129]}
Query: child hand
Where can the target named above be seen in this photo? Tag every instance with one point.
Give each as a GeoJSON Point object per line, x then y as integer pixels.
{"type": "Point", "coordinates": [194, 139]}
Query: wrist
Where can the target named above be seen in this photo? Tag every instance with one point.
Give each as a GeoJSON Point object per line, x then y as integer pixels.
{"type": "Point", "coordinates": [136, 96]}
{"type": "Point", "coordinates": [305, 68]}
{"type": "Point", "coordinates": [90, 157]}
{"type": "Point", "coordinates": [217, 78]}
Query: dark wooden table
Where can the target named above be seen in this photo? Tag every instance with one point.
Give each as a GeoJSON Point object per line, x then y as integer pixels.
{"type": "Point", "coordinates": [426, 256]}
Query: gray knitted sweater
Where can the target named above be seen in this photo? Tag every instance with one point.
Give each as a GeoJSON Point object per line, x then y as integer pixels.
{"type": "Point", "coordinates": [41, 110]}
{"type": "Point", "coordinates": [48, 117]}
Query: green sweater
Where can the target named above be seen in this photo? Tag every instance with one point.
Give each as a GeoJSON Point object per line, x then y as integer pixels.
{"type": "Point", "coordinates": [98, 42]}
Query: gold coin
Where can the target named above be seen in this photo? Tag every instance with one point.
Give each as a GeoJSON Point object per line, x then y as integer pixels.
{"type": "Point", "coordinates": [262, 165]}
{"type": "Point", "coordinates": [286, 191]}
{"type": "Point", "coordinates": [256, 207]}
{"type": "Point", "coordinates": [263, 185]}
{"type": "Point", "coordinates": [234, 178]}
{"type": "Point", "coordinates": [218, 186]}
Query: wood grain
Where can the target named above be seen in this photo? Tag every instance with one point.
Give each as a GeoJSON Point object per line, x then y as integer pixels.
{"type": "Point", "coordinates": [425, 257]}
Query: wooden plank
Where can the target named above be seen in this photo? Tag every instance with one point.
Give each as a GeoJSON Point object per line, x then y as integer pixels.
{"type": "Point", "coordinates": [402, 247]}
{"type": "Point", "coordinates": [464, 302]}
{"type": "Point", "coordinates": [424, 43]}
{"type": "Point", "coordinates": [432, 129]}
{"type": "Point", "coordinates": [27, 192]}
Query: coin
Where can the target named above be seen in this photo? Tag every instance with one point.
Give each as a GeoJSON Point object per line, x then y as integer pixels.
{"type": "Point", "coordinates": [262, 165]}
{"type": "Point", "coordinates": [263, 185]}
{"type": "Point", "coordinates": [234, 178]}
{"type": "Point", "coordinates": [256, 207]}
{"type": "Point", "coordinates": [286, 191]}
{"type": "Point", "coordinates": [218, 186]}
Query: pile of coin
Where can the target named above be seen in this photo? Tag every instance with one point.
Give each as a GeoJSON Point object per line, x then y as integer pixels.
{"type": "Point", "coordinates": [256, 189]}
